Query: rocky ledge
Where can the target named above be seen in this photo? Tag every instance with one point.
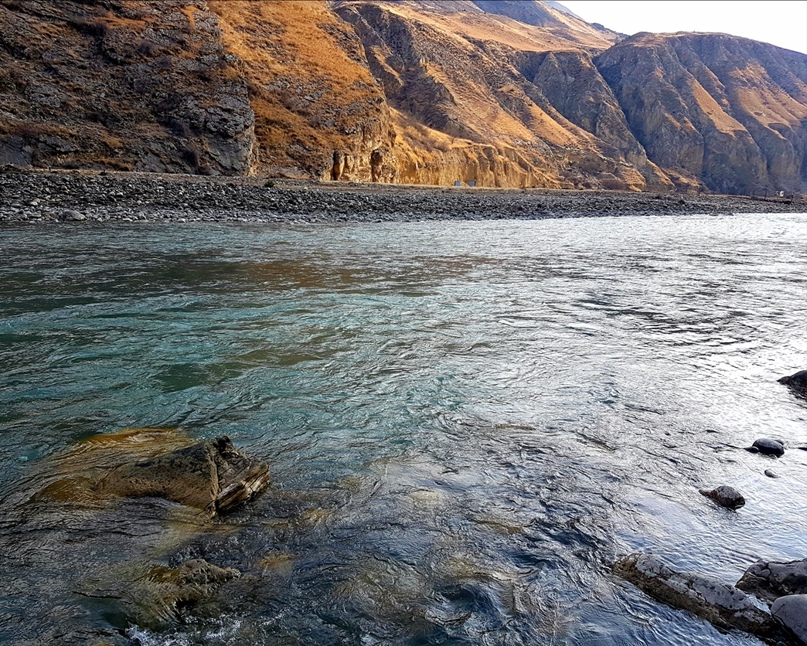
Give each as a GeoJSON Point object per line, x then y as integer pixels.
{"type": "Point", "coordinates": [741, 606]}
{"type": "Point", "coordinates": [88, 196]}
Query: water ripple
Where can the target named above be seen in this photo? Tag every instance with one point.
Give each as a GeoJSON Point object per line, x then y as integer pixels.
{"type": "Point", "coordinates": [466, 422]}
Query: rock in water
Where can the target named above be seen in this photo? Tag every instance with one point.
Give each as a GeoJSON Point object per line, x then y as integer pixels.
{"type": "Point", "coordinates": [725, 496]}
{"type": "Point", "coordinates": [721, 604]}
{"type": "Point", "coordinates": [792, 612]}
{"type": "Point", "coordinates": [768, 447]}
{"type": "Point", "coordinates": [212, 476]}
{"type": "Point", "coordinates": [770, 580]}
{"type": "Point", "coordinates": [163, 594]}
{"type": "Point", "coordinates": [797, 382]}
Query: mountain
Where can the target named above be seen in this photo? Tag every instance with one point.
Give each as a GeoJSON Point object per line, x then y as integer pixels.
{"type": "Point", "coordinates": [501, 92]}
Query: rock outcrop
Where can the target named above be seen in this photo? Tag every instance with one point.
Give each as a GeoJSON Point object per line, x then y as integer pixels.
{"type": "Point", "coordinates": [318, 110]}
{"type": "Point", "coordinates": [792, 612]}
{"type": "Point", "coordinates": [123, 85]}
{"type": "Point", "coordinates": [212, 476]}
{"type": "Point", "coordinates": [770, 580]}
{"type": "Point", "coordinates": [722, 605]}
{"type": "Point", "coordinates": [767, 446]}
{"type": "Point", "coordinates": [161, 596]}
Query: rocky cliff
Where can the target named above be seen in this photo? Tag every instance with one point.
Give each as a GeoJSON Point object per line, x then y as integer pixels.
{"type": "Point", "coordinates": [498, 92]}
{"type": "Point", "coordinates": [124, 85]}
{"type": "Point", "coordinates": [727, 112]}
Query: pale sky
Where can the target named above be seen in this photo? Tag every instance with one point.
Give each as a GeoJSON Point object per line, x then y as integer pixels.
{"type": "Point", "coordinates": [783, 24]}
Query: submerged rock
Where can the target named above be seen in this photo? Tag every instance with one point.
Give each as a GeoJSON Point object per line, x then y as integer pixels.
{"type": "Point", "coordinates": [770, 580]}
{"type": "Point", "coordinates": [725, 496]}
{"type": "Point", "coordinates": [797, 382]}
{"type": "Point", "coordinates": [792, 612]}
{"type": "Point", "coordinates": [161, 595]}
{"type": "Point", "coordinates": [719, 603]}
{"type": "Point", "coordinates": [212, 476]}
{"type": "Point", "coordinates": [767, 447]}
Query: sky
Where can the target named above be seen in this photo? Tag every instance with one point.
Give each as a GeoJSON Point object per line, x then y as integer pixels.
{"type": "Point", "coordinates": [783, 24]}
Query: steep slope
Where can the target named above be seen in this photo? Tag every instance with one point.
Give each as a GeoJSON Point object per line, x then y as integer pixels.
{"type": "Point", "coordinates": [554, 18]}
{"type": "Point", "coordinates": [453, 69]}
{"type": "Point", "coordinates": [319, 112]}
{"type": "Point", "coordinates": [499, 92]}
{"type": "Point", "coordinates": [725, 111]}
{"type": "Point", "coordinates": [120, 84]}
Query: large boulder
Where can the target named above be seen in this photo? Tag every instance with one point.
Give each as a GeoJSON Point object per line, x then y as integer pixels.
{"type": "Point", "coordinates": [767, 447]}
{"type": "Point", "coordinates": [719, 603]}
{"type": "Point", "coordinates": [770, 580]}
{"type": "Point", "coordinates": [792, 612]}
{"type": "Point", "coordinates": [797, 382]}
{"type": "Point", "coordinates": [212, 476]}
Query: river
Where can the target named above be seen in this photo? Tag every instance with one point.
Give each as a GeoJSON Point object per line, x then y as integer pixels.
{"type": "Point", "coordinates": [466, 422]}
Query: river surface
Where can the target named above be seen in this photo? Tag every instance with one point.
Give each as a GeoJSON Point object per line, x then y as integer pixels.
{"type": "Point", "coordinates": [466, 422]}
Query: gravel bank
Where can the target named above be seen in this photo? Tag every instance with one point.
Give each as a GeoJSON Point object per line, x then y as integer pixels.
{"type": "Point", "coordinates": [86, 196]}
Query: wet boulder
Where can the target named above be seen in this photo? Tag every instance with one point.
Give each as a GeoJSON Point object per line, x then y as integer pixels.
{"type": "Point", "coordinates": [212, 476]}
{"type": "Point", "coordinates": [767, 447]}
{"type": "Point", "coordinates": [797, 382]}
{"type": "Point", "coordinates": [792, 612]}
{"type": "Point", "coordinates": [719, 603]}
{"type": "Point", "coordinates": [725, 496]}
{"type": "Point", "coordinates": [770, 580]}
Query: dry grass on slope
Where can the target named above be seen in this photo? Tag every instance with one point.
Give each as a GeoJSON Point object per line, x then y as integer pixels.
{"type": "Point", "coordinates": [310, 90]}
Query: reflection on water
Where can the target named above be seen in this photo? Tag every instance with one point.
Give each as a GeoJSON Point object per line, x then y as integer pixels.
{"type": "Point", "coordinates": [466, 422]}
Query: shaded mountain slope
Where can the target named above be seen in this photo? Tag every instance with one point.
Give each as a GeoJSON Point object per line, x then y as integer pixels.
{"type": "Point", "coordinates": [126, 85]}
{"type": "Point", "coordinates": [725, 111]}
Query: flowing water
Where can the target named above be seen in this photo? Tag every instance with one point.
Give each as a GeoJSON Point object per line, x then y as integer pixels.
{"type": "Point", "coordinates": [467, 422]}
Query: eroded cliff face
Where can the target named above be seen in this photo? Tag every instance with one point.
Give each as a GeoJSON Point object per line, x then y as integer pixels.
{"type": "Point", "coordinates": [510, 94]}
{"type": "Point", "coordinates": [121, 84]}
{"type": "Point", "coordinates": [717, 110]}
{"type": "Point", "coordinates": [318, 110]}
{"type": "Point", "coordinates": [463, 108]}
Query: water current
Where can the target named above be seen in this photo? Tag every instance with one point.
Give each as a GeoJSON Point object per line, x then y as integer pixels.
{"type": "Point", "coordinates": [466, 422]}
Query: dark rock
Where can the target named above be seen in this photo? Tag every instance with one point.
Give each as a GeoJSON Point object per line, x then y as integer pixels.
{"type": "Point", "coordinates": [768, 447]}
{"type": "Point", "coordinates": [797, 382]}
{"type": "Point", "coordinates": [721, 604]}
{"type": "Point", "coordinates": [792, 612]}
{"type": "Point", "coordinates": [210, 475]}
{"type": "Point", "coordinates": [770, 580]}
{"type": "Point", "coordinates": [725, 496]}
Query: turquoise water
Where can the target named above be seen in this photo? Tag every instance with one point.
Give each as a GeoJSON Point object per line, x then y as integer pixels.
{"type": "Point", "coordinates": [466, 421]}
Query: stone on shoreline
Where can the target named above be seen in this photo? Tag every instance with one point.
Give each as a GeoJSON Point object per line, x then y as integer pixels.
{"type": "Point", "coordinates": [212, 476]}
{"type": "Point", "coordinates": [725, 496]}
{"type": "Point", "coordinates": [770, 580]}
{"type": "Point", "coordinates": [721, 604]}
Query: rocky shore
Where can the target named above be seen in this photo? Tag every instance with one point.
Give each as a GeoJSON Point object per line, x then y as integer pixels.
{"type": "Point", "coordinates": [90, 196]}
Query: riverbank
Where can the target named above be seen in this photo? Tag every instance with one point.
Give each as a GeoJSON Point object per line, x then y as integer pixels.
{"type": "Point", "coordinates": [54, 196]}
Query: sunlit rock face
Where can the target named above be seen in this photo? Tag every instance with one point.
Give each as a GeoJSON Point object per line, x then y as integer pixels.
{"type": "Point", "coordinates": [510, 94]}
